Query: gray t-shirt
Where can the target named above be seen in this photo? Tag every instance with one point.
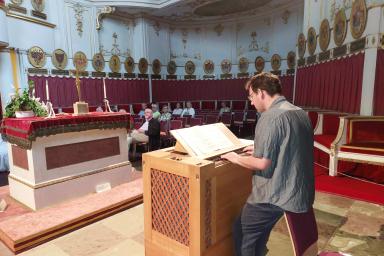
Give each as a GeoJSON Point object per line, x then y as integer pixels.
{"type": "Point", "coordinates": [284, 135]}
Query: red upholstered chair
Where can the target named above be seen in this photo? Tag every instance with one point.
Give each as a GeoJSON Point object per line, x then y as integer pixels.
{"type": "Point", "coordinates": [202, 117]}
{"type": "Point", "coordinates": [211, 119]}
{"type": "Point", "coordinates": [226, 118]}
{"type": "Point", "coordinates": [303, 232]}
{"type": "Point", "coordinates": [238, 122]}
{"type": "Point", "coordinates": [176, 124]}
{"type": "Point", "coordinates": [195, 121]}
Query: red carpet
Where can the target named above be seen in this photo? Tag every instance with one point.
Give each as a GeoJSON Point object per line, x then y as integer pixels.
{"type": "Point", "coordinates": [348, 187]}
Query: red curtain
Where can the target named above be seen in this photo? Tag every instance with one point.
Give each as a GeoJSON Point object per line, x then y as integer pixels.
{"type": "Point", "coordinates": [334, 85]}
{"type": "Point", "coordinates": [63, 93]}
{"type": "Point", "coordinates": [287, 83]}
{"type": "Point", "coordinates": [378, 102]}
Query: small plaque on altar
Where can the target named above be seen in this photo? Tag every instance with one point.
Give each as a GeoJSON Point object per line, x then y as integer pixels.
{"type": "Point", "coordinates": [80, 108]}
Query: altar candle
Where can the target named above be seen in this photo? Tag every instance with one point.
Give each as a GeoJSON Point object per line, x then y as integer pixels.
{"type": "Point", "coordinates": [46, 89]}
{"type": "Point", "coordinates": [105, 91]}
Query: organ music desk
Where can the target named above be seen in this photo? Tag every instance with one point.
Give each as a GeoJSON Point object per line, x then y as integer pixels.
{"type": "Point", "coordinates": [191, 196]}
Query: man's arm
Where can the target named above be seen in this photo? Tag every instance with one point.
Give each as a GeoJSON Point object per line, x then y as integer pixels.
{"type": "Point", "coordinates": [249, 162]}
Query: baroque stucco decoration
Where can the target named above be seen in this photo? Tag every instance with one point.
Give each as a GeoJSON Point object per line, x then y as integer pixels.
{"type": "Point", "coordinates": [102, 13]}
{"type": "Point", "coordinates": [79, 9]}
{"type": "Point", "coordinates": [285, 16]}
{"type": "Point", "coordinates": [218, 29]}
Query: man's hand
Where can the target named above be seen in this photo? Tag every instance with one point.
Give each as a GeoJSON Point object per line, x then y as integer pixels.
{"type": "Point", "coordinates": [248, 150]}
{"type": "Point", "coordinates": [232, 157]}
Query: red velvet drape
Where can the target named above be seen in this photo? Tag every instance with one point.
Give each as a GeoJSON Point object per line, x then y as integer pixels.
{"type": "Point", "coordinates": [334, 85]}
{"type": "Point", "coordinates": [378, 102]}
{"type": "Point", "coordinates": [287, 83]}
{"type": "Point", "coordinates": [62, 90]}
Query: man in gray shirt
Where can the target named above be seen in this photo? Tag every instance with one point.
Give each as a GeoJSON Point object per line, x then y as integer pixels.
{"type": "Point", "coordinates": [281, 161]}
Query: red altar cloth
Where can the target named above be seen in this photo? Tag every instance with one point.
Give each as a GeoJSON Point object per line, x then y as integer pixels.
{"type": "Point", "coordinates": [22, 131]}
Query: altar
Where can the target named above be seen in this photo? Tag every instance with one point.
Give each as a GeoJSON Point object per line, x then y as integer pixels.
{"type": "Point", "coordinates": [55, 159]}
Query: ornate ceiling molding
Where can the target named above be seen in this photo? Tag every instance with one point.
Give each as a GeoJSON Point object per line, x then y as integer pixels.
{"type": "Point", "coordinates": [101, 13]}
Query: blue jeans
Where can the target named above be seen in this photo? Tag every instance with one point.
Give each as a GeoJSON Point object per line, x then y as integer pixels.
{"type": "Point", "coordinates": [251, 230]}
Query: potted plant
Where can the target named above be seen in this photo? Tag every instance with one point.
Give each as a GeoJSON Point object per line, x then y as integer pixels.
{"type": "Point", "coordinates": [25, 105]}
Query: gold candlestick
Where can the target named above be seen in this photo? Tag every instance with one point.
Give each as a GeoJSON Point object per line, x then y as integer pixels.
{"type": "Point", "coordinates": [78, 84]}
{"type": "Point", "coordinates": [80, 107]}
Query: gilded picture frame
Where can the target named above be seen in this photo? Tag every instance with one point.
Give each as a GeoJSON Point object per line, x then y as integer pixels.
{"type": "Point", "coordinates": [209, 67]}
{"type": "Point", "coordinates": [98, 62]}
{"type": "Point", "coordinates": [171, 67]}
{"type": "Point", "coordinates": [311, 40]}
{"type": "Point", "coordinates": [80, 61]}
{"type": "Point", "coordinates": [59, 59]}
{"type": "Point", "coordinates": [190, 67]}
{"type": "Point", "coordinates": [37, 57]}
{"type": "Point", "coordinates": [129, 65]}
{"type": "Point", "coordinates": [38, 5]}
{"type": "Point", "coordinates": [143, 65]}
{"type": "Point", "coordinates": [340, 27]}
{"type": "Point", "coordinates": [291, 60]}
{"type": "Point", "coordinates": [156, 66]}
{"type": "Point", "coordinates": [275, 62]}
{"type": "Point", "coordinates": [358, 18]}
{"type": "Point", "coordinates": [324, 35]}
{"type": "Point", "coordinates": [226, 66]}
{"type": "Point", "coordinates": [243, 64]}
{"type": "Point", "coordinates": [301, 45]}
{"type": "Point", "coordinates": [259, 63]}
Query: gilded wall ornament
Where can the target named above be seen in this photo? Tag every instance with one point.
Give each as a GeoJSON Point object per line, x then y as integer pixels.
{"type": "Point", "coordinates": [190, 67]}
{"type": "Point", "coordinates": [243, 64]}
{"type": "Point", "coordinates": [79, 9]}
{"type": "Point", "coordinates": [171, 67]}
{"type": "Point", "coordinates": [325, 35]}
{"type": "Point", "coordinates": [259, 63]}
{"type": "Point", "coordinates": [143, 66]}
{"type": "Point", "coordinates": [156, 66]}
{"type": "Point", "coordinates": [301, 45]}
{"type": "Point", "coordinates": [59, 59]}
{"type": "Point", "coordinates": [291, 60]}
{"type": "Point", "coordinates": [358, 18]}
{"type": "Point", "coordinates": [218, 29]}
{"type": "Point", "coordinates": [311, 40]}
{"type": "Point", "coordinates": [38, 5]}
{"type": "Point", "coordinates": [285, 16]}
{"type": "Point", "coordinates": [340, 27]}
{"type": "Point", "coordinates": [37, 57]}
{"type": "Point", "coordinates": [275, 62]}
{"type": "Point", "coordinates": [98, 62]}
{"type": "Point", "coordinates": [226, 66]}
{"type": "Point", "coordinates": [102, 13]}
{"type": "Point", "coordinates": [80, 61]}
{"type": "Point", "coordinates": [17, 2]}
{"type": "Point", "coordinates": [209, 67]}
{"type": "Point", "coordinates": [129, 65]}
{"type": "Point", "coordinates": [115, 64]}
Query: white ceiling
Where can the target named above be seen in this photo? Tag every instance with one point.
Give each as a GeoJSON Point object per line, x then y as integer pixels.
{"type": "Point", "coordinates": [195, 10]}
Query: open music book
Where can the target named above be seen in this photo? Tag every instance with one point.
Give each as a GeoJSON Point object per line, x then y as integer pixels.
{"type": "Point", "coordinates": [207, 140]}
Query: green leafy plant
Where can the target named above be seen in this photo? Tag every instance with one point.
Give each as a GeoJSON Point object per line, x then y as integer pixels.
{"type": "Point", "coordinates": [25, 102]}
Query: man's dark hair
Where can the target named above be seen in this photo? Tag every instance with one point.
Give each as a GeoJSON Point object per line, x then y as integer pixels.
{"type": "Point", "coordinates": [264, 81]}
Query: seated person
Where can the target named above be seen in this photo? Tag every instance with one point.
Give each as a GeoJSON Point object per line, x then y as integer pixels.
{"type": "Point", "coordinates": [4, 162]}
{"type": "Point", "coordinates": [99, 109]}
{"type": "Point", "coordinates": [148, 132]}
{"type": "Point", "coordinates": [189, 110]}
{"type": "Point", "coordinates": [155, 110]}
{"type": "Point", "coordinates": [224, 108]}
{"type": "Point", "coordinates": [165, 115]}
{"type": "Point", "coordinates": [143, 107]}
{"type": "Point", "coordinates": [178, 110]}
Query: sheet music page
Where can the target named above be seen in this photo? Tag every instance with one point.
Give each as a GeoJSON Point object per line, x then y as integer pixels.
{"type": "Point", "coordinates": [205, 139]}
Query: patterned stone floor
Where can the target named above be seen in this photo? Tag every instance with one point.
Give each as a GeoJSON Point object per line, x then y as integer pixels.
{"type": "Point", "coordinates": [345, 225]}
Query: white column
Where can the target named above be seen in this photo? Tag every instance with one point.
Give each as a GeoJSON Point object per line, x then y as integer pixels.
{"type": "Point", "coordinates": [368, 87]}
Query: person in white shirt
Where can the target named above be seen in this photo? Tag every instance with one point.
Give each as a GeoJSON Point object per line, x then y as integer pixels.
{"type": "Point", "coordinates": [224, 108]}
{"type": "Point", "coordinates": [189, 110]}
{"type": "Point", "coordinates": [178, 110]}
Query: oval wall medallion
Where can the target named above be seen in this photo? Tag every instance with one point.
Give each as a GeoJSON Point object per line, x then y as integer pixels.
{"type": "Point", "coordinates": [358, 18]}
{"type": "Point", "coordinates": [226, 66]}
{"type": "Point", "coordinates": [156, 66]}
{"type": "Point", "coordinates": [340, 27]}
{"type": "Point", "coordinates": [259, 64]}
{"type": "Point", "coordinates": [171, 67]}
{"type": "Point", "coordinates": [59, 59]}
{"type": "Point", "coordinates": [37, 57]}
{"type": "Point", "coordinates": [115, 64]}
{"type": "Point", "coordinates": [129, 65]}
{"type": "Point", "coordinates": [143, 66]}
{"type": "Point", "coordinates": [190, 67]}
{"type": "Point", "coordinates": [324, 35]}
{"type": "Point", "coordinates": [209, 67]}
{"type": "Point", "coordinates": [301, 45]}
{"type": "Point", "coordinates": [311, 40]}
{"type": "Point", "coordinates": [98, 62]}
{"type": "Point", "coordinates": [275, 62]}
{"type": "Point", "coordinates": [291, 60]}
{"type": "Point", "coordinates": [243, 65]}
{"type": "Point", "coordinates": [80, 61]}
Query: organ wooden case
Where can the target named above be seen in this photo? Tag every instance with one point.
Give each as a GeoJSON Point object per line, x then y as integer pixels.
{"type": "Point", "coordinates": [191, 196]}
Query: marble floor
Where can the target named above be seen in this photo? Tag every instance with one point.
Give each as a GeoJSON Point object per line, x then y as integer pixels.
{"type": "Point", "coordinates": [345, 225]}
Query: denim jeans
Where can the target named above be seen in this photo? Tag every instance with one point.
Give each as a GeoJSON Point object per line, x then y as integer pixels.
{"type": "Point", "coordinates": [251, 230]}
